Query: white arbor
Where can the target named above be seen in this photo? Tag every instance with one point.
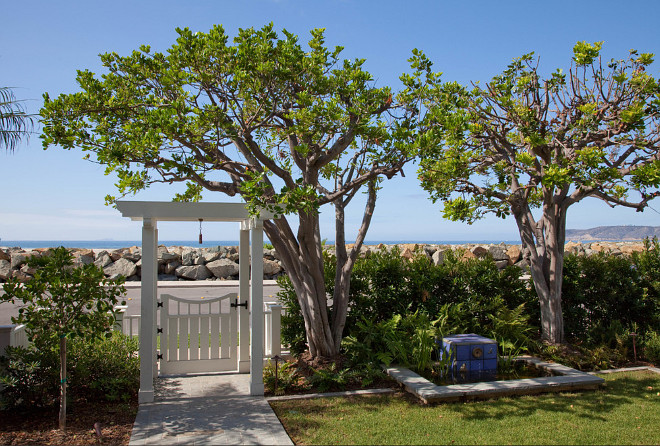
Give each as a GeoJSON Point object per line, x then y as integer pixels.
{"type": "Point", "coordinates": [250, 356]}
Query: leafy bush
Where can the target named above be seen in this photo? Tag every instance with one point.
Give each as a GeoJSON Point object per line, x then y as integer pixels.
{"type": "Point", "coordinates": [651, 343]}
{"type": "Point", "coordinates": [605, 294]}
{"type": "Point", "coordinates": [100, 369]}
{"type": "Point", "coordinates": [287, 378]}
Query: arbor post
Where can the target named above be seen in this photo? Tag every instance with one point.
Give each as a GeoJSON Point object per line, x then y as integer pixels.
{"type": "Point", "coordinates": [148, 366]}
{"type": "Point", "coordinates": [257, 308]}
{"type": "Point", "coordinates": [243, 295]}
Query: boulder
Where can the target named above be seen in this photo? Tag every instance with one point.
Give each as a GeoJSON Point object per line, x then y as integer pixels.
{"type": "Point", "coordinates": [21, 276]}
{"type": "Point", "coordinates": [27, 270]}
{"type": "Point", "coordinates": [513, 253]}
{"type": "Point", "coordinates": [5, 269]}
{"type": "Point", "coordinates": [121, 267]}
{"type": "Point", "coordinates": [193, 272]}
{"type": "Point", "coordinates": [167, 278]}
{"type": "Point", "coordinates": [498, 252]}
{"type": "Point", "coordinates": [629, 249]}
{"type": "Point", "coordinates": [171, 267]}
{"type": "Point", "coordinates": [83, 257]}
{"type": "Point", "coordinates": [501, 264]}
{"type": "Point", "coordinates": [479, 251]}
{"type": "Point", "coordinates": [222, 268]}
{"type": "Point", "coordinates": [4, 255]}
{"type": "Point", "coordinates": [188, 256]}
{"type": "Point", "coordinates": [407, 254]}
{"type": "Point", "coordinates": [103, 260]}
{"type": "Point", "coordinates": [165, 256]}
{"type": "Point", "coordinates": [18, 258]}
{"type": "Point", "coordinates": [210, 256]}
{"type": "Point", "coordinates": [271, 267]}
{"type": "Point", "coordinates": [438, 257]}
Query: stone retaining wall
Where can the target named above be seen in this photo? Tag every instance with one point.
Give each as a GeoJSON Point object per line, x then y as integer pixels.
{"type": "Point", "coordinates": [221, 262]}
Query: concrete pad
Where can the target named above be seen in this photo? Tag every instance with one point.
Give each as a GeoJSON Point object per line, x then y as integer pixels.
{"type": "Point", "coordinates": [567, 379]}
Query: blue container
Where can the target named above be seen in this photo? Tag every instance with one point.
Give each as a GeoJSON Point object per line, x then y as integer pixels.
{"type": "Point", "coordinates": [471, 355]}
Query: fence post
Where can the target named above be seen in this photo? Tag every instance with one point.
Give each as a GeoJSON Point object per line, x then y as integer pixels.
{"type": "Point", "coordinates": [267, 330]}
{"type": "Point", "coordinates": [275, 329]}
{"type": "Point", "coordinates": [119, 312]}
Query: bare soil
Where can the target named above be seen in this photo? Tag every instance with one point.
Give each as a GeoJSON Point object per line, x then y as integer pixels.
{"type": "Point", "coordinates": [114, 422]}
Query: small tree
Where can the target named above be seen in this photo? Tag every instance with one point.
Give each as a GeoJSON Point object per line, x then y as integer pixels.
{"type": "Point", "coordinates": [521, 143]}
{"type": "Point", "coordinates": [63, 301]}
{"type": "Point", "coordinates": [288, 128]}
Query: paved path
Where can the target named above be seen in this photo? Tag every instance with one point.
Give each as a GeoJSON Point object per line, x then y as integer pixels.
{"type": "Point", "coordinates": [210, 409]}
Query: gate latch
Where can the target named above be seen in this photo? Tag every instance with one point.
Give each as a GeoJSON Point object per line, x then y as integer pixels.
{"type": "Point", "coordinates": [236, 304]}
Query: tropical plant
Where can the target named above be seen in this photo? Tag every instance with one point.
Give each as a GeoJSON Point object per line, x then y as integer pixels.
{"type": "Point", "coordinates": [15, 122]}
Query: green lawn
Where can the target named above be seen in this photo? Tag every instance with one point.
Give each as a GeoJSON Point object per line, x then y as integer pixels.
{"type": "Point", "coordinates": [626, 411]}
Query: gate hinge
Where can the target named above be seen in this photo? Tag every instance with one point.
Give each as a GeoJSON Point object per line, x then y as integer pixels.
{"type": "Point", "coordinates": [159, 304]}
{"type": "Point", "coordinates": [236, 304]}
{"type": "Point", "coordinates": [159, 330]}
{"type": "Point", "coordinates": [159, 356]}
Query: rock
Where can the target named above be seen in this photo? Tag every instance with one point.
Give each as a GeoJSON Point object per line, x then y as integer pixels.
{"type": "Point", "coordinates": [467, 255]}
{"type": "Point", "coordinates": [188, 256]}
{"type": "Point", "coordinates": [233, 256]}
{"type": "Point", "coordinates": [438, 257]}
{"type": "Point", "coordinates": [224, 268]}
{"type": "Point", "coordinates": [83, 257]}
{"type": "Point", "coordinates": [133, 255]}
{"type": "Point", "coordinates": [193, 272]}
{"type": "Point", "coordinates": [167, 278]}
{"type": "Point", "coordinates": [513, 253]}
{"type": "Point", "coordinates": [411, 246]}
{"type": "Point", "coordinates": [210, 256]}
{"type": "Point", "coordinates": [18, 258]}
{"type": "Point", "coordinates": [133, 278]}
{"type": "Point", "coordinates": [479, 251]}
{"type": "Point", "coordinates": [629, 249]}
{"type": "Point", "coordinates": [116, 254]}
{"type": "Point", "coordinates": [165, 256]}
{"type": "Point", "coordinates": [271, 267]}
{"type": "Point", "coordinates": [407, 254]}
{"type": "Point", "coordinates": [5, 269]}
{"type": "Point", "coordinates": [171, 267]}
{"type": "Point", "coordinates": [27, 270]}
{"type": "Point", "coordinates": [501, 264]}
{"type": "Point", "coordinates": [4, 255]}
{"type": "Point", "coordinates": [121, 267]}
{"type": "Point", "coordinates": [498, 252]}
{"type": "Point", "coordinates": [103, 260]}
{"type": "Point", "coordinates": [21, 276]}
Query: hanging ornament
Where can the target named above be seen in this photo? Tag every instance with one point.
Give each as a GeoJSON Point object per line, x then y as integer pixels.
{"type": "Point", "coordinates": [200, 230]}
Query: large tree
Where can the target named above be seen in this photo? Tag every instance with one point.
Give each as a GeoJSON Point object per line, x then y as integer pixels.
{"type": "Point", "coordinates": [15, 122]}
{"type": "Point", "coordinates": [531, 147]}
{"type": "Point", "coordinates": [288, 128]}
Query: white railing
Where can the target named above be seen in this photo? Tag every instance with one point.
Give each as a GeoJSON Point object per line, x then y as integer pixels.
{"type": "Point", "coordinates": [12, 336]}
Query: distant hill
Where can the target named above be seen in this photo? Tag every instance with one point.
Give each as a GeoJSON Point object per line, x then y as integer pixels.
{"type": "Point", "coordinates": [613, 233]}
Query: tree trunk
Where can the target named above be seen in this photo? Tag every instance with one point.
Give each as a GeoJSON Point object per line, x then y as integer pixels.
{"type": "Point", "coordinates": [303, 261]}
{"type": "Point", "coordinates": [544, 245]}
{"type": "Point", "coordinates": [63, 383]}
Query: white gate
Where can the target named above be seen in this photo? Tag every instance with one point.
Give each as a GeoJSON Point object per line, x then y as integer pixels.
{"type": "Point", "coordinates": [198, 336]}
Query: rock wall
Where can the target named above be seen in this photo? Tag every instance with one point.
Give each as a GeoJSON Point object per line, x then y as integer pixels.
{"type": "Point", "coordinates": [221, 262]}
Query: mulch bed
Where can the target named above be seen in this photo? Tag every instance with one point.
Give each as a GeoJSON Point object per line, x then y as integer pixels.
{"type": "Point", "coordinates": [39, 426]}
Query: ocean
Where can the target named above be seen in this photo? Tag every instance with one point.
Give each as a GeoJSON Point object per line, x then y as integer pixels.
{"type": "Point", "coordinates": [116, 244]}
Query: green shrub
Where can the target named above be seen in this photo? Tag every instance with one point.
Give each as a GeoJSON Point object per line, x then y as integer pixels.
{"type": "Point", "coordinates": [101, 369]}
{"type": "Point", "coordinates": [605, 294]}
{"type": "Point", "coordinates": [651, 342]}
{"type": "Point", "coordinates": [287, 378]}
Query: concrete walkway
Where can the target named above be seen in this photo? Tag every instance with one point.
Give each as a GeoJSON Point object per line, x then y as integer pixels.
{"type": "Point", "coordinates": [210, 409]}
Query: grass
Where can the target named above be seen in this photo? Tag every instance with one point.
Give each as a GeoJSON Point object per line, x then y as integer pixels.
{"type": "Point", "coordinates": [625, 411]}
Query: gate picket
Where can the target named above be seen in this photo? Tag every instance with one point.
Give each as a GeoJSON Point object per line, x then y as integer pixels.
{"type": "Point", "coordinates": [197, 336]}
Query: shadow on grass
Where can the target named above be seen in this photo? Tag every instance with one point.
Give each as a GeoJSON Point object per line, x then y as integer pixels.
{"type": "Point", "coordinates": [299, 416]}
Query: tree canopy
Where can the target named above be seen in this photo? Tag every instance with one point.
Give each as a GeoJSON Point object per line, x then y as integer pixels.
{"type": "Point", "coordinates": [286, 127]}
{"type": "Point", "coordinates": [530, 146]}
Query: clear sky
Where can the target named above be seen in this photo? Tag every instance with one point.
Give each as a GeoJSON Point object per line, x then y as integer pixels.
{"type": "Point", "coordinates": [55, 195]}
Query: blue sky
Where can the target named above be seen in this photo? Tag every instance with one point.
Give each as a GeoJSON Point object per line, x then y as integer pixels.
{"type": "Point", "coordinates": [55, 195]}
